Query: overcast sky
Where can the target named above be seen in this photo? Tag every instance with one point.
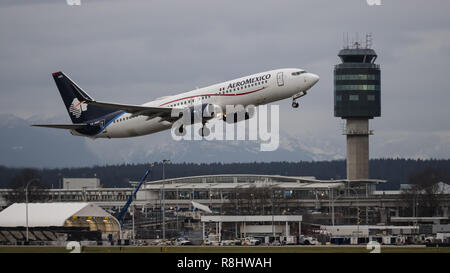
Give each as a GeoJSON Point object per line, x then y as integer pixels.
{"type": "Point", "coordinates": [135, 51]}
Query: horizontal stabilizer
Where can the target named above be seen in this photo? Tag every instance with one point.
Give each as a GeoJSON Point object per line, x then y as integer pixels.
{"type": "Point", "coordinates": [62, 126]}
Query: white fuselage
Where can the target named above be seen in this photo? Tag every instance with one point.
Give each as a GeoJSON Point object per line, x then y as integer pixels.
{"type": "Point", "coordinates": [256, 89]}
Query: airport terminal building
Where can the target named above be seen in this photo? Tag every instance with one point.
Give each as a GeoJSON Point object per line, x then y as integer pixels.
{"type": "Point", "coordinates": [254, 194]}
{"type": "Point", "coordinates": [316, 202]}
{"type": "Point", "coordinates": [325, 201]}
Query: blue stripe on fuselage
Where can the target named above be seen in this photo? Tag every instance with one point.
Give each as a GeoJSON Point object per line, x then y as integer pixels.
{"type": "Point", "coordinates": [89, 131]}
{"type": "Point", "coordinates": [109, 122]}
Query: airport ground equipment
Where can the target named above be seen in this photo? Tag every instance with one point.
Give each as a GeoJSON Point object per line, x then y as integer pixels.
{"type": "Point", "coordinates": [124, 210]}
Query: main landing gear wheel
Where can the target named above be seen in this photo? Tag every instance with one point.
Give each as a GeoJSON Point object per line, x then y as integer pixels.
{"type": "Point", "coordinates": [295, 104]}
{"type": "Point", "coordinates": [180, 131]}
{"type": "Point", "coordinates": [204, 131]}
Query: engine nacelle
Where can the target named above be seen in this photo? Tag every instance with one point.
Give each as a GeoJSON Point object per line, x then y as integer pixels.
{"type": "Point", "coordinates": [203, 113]}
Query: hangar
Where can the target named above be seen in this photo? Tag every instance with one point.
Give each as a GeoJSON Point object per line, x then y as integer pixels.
{"type": "Point", "coordinates": [71, 219]}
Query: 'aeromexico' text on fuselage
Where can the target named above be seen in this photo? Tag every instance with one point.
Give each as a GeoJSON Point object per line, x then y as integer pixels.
{"type": "Point", "coordinates": [249, 81]}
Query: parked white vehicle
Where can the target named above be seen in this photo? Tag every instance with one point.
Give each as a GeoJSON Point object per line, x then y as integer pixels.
{"type": "Point", "coordinates": [423, 239]}
{"type": "Point", "coordinates": [209, 242]}
{"type": "Point", "coordinates": [443, 237]}
{"type": "Point", "coordinates": [289, 240]}
{"type": "Point", "coordinates": [212, 240]}
{"type": "Point", "coordinates": [160, 242]}
{"type": "Point", "coordinates": [250, 241]}
{"type": "Point", "coordinates": [229, 242]}
{"type": "Point", "coordinates": [308, 240]}
{"type": "Point", "coordinates": [393, 240]}
{"type": "Point", "coordinates": [182, 242]}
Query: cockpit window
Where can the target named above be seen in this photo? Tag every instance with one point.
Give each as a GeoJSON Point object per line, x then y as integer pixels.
{"type": "Point", "coordinates": [298, 73]}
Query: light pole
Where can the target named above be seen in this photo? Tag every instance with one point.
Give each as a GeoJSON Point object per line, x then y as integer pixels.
{"type": "Point", "coordinates": [26, 202]}
{"type": "Point", "coordinates": [339, 196]}
{"type": "Point", "coordinates": [331, 193]}
{"type": "Point", "coordinates": [357, 207]}
{"type": "Point", "coordinates": [60, 186]}
{"type": "Point", "coordinates": [177, 209]}
{"type": "Point", "coordinates": [164, 161]}
{"type": "Point", "coordinates": [273, 226]}
{"type": "Point", "coordinates": [134, 234]}
{"type": "Point", "coordinates": [210, 196]}
{"type": "Point", "coordinates": [415, 204]}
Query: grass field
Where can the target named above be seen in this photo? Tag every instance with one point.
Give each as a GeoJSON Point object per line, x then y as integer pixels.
{"type": "Point", "coordinates": [228, 249]}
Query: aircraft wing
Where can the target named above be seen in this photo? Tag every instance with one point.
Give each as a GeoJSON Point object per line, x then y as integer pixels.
{"type": "Point", "coordinates": [135, 109]}
{"type": "Point", "coordinates": [62, 126]}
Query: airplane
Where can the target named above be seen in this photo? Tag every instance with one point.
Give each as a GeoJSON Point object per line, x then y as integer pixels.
{"type": "Point", "coordinates": [95, 119]}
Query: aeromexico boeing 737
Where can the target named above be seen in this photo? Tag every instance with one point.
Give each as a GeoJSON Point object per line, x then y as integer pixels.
{"type": "Point", "coordinates": [96, 119]}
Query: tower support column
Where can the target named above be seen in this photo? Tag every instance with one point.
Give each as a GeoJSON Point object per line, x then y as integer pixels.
{"type": "Point", "coordinates": [357, 131]}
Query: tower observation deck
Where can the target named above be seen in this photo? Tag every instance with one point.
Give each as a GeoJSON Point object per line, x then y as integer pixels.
{"type": "Point", "coordinates": [357, 99]}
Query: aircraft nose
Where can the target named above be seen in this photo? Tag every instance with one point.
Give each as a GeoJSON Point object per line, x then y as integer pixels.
{"type": "Point", "coordinates": [313, 78]}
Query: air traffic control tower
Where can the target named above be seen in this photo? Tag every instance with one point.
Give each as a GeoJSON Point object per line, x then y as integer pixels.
{"type": "Point", "coordinates": [357, 99]}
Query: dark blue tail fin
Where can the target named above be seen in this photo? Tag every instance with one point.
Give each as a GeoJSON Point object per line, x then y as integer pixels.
{"type": "Point", "coordinates": [75, 100]}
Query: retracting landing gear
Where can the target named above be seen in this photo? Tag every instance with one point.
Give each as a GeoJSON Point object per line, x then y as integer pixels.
{"type": "Point", "coordinates": [295, 104]}
{"type": "Point", "coordinates": [180, 131]}
{"type": "Point", "coordinates": [204, 131]}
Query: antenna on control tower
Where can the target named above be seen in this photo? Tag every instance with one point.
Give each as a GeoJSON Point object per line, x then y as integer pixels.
{"type": "Point", "coordinates": [369, 40]}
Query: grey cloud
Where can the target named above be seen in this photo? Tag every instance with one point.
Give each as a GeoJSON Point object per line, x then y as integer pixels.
{"type": "Point", "coordinates": [135, 51]}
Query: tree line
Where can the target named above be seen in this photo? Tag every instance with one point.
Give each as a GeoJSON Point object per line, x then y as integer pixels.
{"type": "Point", "coordinates": [395, 171]}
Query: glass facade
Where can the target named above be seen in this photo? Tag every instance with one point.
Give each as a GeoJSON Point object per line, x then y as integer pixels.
{"type": "Point", "coordinates": [371, 87]}
{"type": "Point", "coordinates": [356, 77]}
{"type": "Point", "coordinates": [357, 87]}
{"type": "Point", "coordinates": [353, 97]}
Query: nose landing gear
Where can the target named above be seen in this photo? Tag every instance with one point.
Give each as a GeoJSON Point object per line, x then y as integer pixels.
{"type": "Point", "coordinates": [295, 97]}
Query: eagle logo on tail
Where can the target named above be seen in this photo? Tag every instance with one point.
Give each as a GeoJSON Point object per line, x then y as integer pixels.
{"type": "Point", "coordinates": [77, 107]}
